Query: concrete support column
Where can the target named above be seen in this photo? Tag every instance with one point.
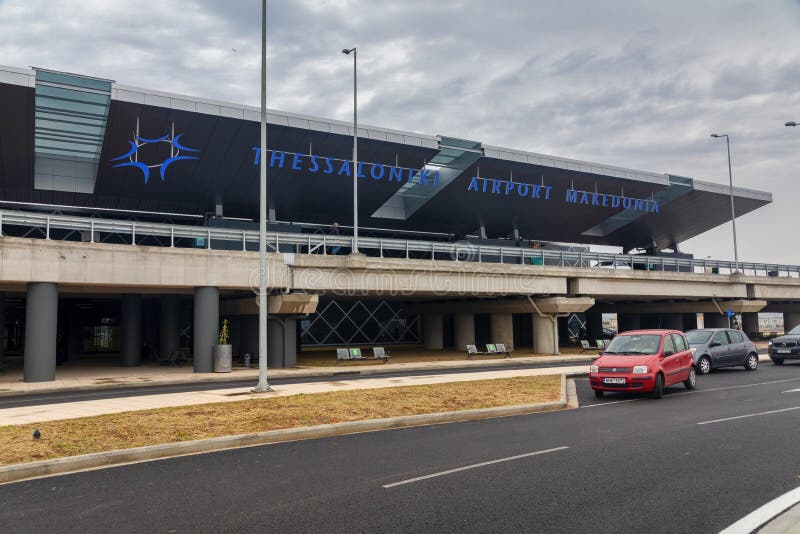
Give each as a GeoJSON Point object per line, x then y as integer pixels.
{"type": "Point", "coordinates": [130, 331]}
{"type": "Point", "coordinates": [594, 326]}
{"type": "Point", "coordinates": [790, 320]}
{"type": "Point", "coordinates": [168, 341]}
{"type": "Point", "coordinates": [715, 320]}
{"type": "Point", "coordinates": [750, 323]}
{"type": "Point", "coordinates": [629, 321]}
{"type": "Point", "coordinates": [502, 329]}
{"type": "Point", "coordinates": [2, 330]}
{"type": "Point", "coordinates": [545, 335]}
{"type": "Point", "coordinates": [464, 330]}
{"type": "Point", "coordinates": [689, 321]}
{"type": "Point", "coordinates": [41, 327]}
{"type": "Point", "coordinates": [282, 350]}
{"type": "Point", "coordinates": [206, 326]}
{"type": "Point", "coordinates": [432, 331]}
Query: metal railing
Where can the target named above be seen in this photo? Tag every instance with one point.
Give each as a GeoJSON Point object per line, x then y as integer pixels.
{"type": "Point", "coordinates": [66, 227]}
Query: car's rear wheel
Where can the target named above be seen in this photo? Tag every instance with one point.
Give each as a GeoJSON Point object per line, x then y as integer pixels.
{"type": "Point", "coordinates": [752, 362]}
{"type": "Point", "coordinates": [598, 393]}
{"type": "Point", "coordinates": [704, 365]}
{"type": "Point", "coordinates": [777, 361]}
{"type": "Point", "coordinates": [658, 388]}
{"type": "Point", "coordinates": [690, 382]}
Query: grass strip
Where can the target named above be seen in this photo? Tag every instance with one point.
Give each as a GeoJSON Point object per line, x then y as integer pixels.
{"type": "Point", "coordinates": [71, 437]}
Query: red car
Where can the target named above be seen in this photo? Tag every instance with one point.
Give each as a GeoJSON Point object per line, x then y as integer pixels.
{"type": "Point", "coordinates": [644, 361]}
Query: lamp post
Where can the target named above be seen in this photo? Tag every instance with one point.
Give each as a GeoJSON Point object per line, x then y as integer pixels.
{"type": "Point", "coordinates": [347, 51]}
{"type": "Point", "coordinates": [262, 384]}
{"type": "Point", "coordinates": [733, 210]}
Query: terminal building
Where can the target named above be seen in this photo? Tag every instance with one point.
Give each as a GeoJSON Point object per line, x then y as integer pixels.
{"type": "Point", "coordinates": [129, 229]}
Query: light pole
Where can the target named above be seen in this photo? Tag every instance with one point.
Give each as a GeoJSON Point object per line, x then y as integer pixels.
{"type": "Point", "coordinates": [355, 149]}
{"type": "Point", "coordinates": [262, 384]}
{"type": "Point", "coordinates": [733, 210]}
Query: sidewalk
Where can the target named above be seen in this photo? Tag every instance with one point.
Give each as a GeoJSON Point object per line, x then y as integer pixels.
{"type": "Point", "coordinates": [36, 414]}
{"type": "Point", "coordinates": [111, 376]}
{"type": "Point", "coordinates": [786, 523]}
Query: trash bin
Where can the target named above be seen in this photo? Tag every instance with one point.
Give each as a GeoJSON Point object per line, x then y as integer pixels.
{"type": "Point", "coordinates": [223, 358]}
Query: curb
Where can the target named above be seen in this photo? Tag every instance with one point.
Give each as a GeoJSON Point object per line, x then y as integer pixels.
{"type": "Point", "coordinates": [60, 466]}
{"type": "Point", "coordinates": [335, 371]}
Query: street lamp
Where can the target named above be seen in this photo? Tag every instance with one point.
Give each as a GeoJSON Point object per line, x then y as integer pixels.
{"type": "Point", "coordinates": [262, 384]}
{"type": "Point", "coordinates": [733, 210]}
{"type": "Point", "coordinates": [792, 123]}
{"type": "Point", "coordinates": [347, 51]}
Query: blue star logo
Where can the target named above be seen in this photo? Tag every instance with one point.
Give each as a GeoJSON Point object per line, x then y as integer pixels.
{"type": "Point", "coordinates": [175, 155]}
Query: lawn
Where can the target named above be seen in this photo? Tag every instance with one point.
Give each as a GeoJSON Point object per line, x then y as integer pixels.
{"type": "Point", "coordinates": [71, 437]}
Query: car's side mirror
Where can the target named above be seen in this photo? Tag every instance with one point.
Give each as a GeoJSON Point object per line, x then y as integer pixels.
{"type": "Point", "coordinates": [667, 354]}
{"type": "Point", "coordinates": [714, 344]}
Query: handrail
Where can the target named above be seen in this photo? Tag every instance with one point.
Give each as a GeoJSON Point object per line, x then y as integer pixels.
{"type": "Point", "coordinates": [382, 247]}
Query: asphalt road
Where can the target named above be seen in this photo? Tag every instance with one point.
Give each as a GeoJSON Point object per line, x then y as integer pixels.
{"type": "Point", "coordinates": [339, 373]}
{"type": "Point", "coordinates": [619, 464]}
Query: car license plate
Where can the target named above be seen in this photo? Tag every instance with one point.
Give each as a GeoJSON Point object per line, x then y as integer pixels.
{"type": "Point", "coordinates": [784, 351]}
{"type": "Point", "coordinates": [613, 381]}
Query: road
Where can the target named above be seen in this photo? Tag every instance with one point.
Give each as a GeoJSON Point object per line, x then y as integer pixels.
{"type": "Point", "coordinates": [687, 463]}
{"type": "Point", "coordinates": [339, 373]}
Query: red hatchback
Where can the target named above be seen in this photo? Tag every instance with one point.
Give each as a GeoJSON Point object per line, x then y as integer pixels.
{"type": "Point", "coordinates": [644, 361]}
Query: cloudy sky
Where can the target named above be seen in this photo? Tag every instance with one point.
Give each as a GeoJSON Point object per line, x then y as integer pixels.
{"type": "Point", "coordinates": [637, 83]}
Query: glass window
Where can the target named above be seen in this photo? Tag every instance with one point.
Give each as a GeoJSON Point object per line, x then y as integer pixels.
{"type": "Point", "coordinates": [669, 346]}
{"type": "Point", "coordinates": [794, 331]}
{"type": "Point", "coordinates": [721, 337]}
{"type": "Point", "coordinates": [680, 343]}
{"type": "Point", "coordinates": [699, 337]}
{"type": "Point", "coordinates": [735, 336]}
{"type": "Point", "coordinates": [628, 345]}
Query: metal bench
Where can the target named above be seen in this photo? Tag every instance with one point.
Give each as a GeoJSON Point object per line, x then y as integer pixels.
{"type": "Point", "coordinates": [492, 349]}
{"type": "Point", "coordinates": [355, 355]}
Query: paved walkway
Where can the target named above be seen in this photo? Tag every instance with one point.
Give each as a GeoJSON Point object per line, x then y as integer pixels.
{"type": "Point", "coordinates": [36, 414]}
{"type": "Point", "coordinates": [79, 377]}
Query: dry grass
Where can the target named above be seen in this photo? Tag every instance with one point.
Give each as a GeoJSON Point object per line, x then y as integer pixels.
{"type": "Point", "coordinates": [71, 437]}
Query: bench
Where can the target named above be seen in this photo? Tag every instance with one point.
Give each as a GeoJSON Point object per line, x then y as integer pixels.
{"type": "Point", "coordinates": [355, 355]}
{"type": "Point", "coordinates": [492, 349]}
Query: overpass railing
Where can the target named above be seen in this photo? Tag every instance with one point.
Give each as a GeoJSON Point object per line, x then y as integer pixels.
{"type": "Point", "coordinates": [75, 228]}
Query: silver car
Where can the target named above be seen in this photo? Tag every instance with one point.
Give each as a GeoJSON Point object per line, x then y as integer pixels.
{"type": "Point", "coordinates": [721, 347]}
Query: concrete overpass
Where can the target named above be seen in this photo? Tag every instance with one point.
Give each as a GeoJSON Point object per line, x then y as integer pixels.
{"type": "Point", "coordinates": [45, 269]}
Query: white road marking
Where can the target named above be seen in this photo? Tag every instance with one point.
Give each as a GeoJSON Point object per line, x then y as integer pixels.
{"type": "Point", "coordinates": [757, 518]}
{"type": "Point", "coordinates": [792, 391]}
{"type": "Point", "coordinates": [749, 415]}
{"type": "Point", "coordinates": [473, 466]}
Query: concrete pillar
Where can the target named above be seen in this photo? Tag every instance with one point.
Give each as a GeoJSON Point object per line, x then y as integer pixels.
{"type": "Point", "coordinates": [545, 335]}
{"type": "Point", "coordinates": [464, 330]}
{"type": "Point", "coordinates": [41, 327]}
{"type": "Point", "coordinates": [750, 324]}
{"type": "Point", "coordinates": [2, 331]}
{"type": "Point", "coordinates": [715, 320]}
{"type": "Point", "coordinates": [689, 321]}
{"type": "Point", "coordinates": [282, 346]}
{"type": "Point", "coordinates": [130, 331]}
{"type": "Point", "coordinates": [594, 326]}
{"type": "Point", "coordinates": [432, 334]}
{"type": "Point", "coordinates": [168, 341]}
{"type": "Point", "coordinates": [502, 328]}
{"type": "Point", "coordinates": [206, 326]}
{"type": "Point", "coordinates": [790, 320]}
{"type": "Point", "coordinates": [629, 321]}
